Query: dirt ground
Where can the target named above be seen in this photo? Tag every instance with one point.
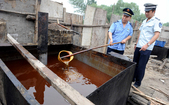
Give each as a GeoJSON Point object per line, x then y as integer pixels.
{"type": "Point", "coordinates": [155, 83]}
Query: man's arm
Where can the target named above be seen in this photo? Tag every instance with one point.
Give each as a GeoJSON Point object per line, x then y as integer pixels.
{"type": "Point", "coordinates": [137, 41]}
{"type": "Point", "coordinates": [126, 39]}
{"type": "Point", "coordinates": [110, 37]}
{"type": "Point", "coordinates": [154, 38]}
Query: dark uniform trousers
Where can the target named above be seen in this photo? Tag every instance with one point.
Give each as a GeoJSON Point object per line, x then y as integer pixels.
{"type": "Point", "coordinates": [117, 51]}
{"type": "Point", "coordinates": [141, 58]}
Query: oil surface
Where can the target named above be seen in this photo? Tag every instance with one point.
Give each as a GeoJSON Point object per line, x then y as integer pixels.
{"type": "Point", "coordinates": [80, 76]}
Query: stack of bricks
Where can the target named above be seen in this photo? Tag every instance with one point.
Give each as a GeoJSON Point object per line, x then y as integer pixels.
{"type": "Point", "coordinates": [58, 35]}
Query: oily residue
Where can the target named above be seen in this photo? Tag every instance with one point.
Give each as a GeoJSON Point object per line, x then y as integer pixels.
{"type": "Point", "coordinates": [80, 76]}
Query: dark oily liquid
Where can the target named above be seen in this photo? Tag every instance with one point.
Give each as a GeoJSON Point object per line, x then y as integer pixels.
{"type": "Point", "coordinates": [80, 76]}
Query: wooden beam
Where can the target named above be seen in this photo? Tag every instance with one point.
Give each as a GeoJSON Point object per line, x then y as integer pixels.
{"type": "Point", "coordinates": [154, 99]}
{"type": "Point", "coordinates": [23, 13]}
{"type": "Point", "coordinates": [69, 93]}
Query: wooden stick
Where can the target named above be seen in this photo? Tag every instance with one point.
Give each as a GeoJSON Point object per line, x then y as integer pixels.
{"type": "Point", "coordinates": [160, 91]}
{"type": "Point", "coordinates": [137, 89]}
{"type": "Point", "coordinates": [152, 102]}
{"type": "Point", "coordinates": [161, 66]}
{"type": "Point", "coordinates": [67, 27]}
{"type": "Point", "coordinates": [146, 96]}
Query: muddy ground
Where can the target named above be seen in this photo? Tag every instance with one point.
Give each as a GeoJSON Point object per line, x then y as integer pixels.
{"type": "Point", "coordinates": [155, 83]}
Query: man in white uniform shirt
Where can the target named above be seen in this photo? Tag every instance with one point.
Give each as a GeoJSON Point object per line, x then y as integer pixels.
{"type": "Point", "coordinates": [149, 32]}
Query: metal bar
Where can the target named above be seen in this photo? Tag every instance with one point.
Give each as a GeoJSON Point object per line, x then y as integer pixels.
{"type": "Point", "coordinates": [88, 50]}
{"type": "Point", "coordinates": [69, 93]}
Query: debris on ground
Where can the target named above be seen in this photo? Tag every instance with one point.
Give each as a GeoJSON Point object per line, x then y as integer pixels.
{"type": "Point", "coordinates": [154, 89]}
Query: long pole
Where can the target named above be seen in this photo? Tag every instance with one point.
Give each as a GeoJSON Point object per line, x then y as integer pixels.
{"type": "Point", "coordinates": [88, 50]}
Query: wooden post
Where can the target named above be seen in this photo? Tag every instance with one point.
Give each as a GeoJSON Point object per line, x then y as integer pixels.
{"type": "Point", "coordinates": [69, 93]}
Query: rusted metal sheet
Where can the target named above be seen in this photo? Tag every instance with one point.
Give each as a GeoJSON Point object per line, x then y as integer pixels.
{"type": "Point", "coordinates": [69, 93]}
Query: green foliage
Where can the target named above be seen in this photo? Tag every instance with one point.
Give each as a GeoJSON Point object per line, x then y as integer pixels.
{"type": "Point", "coordinates": [81, 5]}
{"type": "Point", "coordinates": [166, 24]}
{"type": "Point", "coordinates": [117, 9]}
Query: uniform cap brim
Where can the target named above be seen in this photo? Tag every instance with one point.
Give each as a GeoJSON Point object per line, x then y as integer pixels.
{"type": "Point", "coordinates": [126, 14]}
{"type": "Point", "coordinates": [148, 9]}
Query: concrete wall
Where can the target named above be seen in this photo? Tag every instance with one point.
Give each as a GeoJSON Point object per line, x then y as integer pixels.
{"type": "Point", "coordinates": [164, 35]}
{"type": "Point", "coordinates": [114, 18]}
{"type": "Point", "coordinates": [16, 23]}
{"type": "Point", "coordinates": [87, 32]}
{"type": "Point", "coordinates": [3, 31]}
{"type": "Point", "coordinates": [73, 18]}
{"type": "Point", "coordinates": [54, 9]}
{"type": "Point", "coordinates": [94, 36]}
{"type": "Point", "coordinates": [98, 33]}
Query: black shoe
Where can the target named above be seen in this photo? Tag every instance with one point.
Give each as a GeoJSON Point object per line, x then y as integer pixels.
{"type": "Point", "coordinates": [136, 85]}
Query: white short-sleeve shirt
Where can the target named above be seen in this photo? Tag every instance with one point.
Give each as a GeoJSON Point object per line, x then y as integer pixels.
{"type": "Point", "coordinates": [147, 30]}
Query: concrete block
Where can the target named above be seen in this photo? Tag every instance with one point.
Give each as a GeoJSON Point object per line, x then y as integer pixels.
{"type": "Point", "coordinates": [3, 31]}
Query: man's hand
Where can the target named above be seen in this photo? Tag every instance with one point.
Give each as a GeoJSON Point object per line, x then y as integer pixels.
{"type": "Point", "coordinates": [111, 42]}
{"type": "Point", "coordinates": [135, 46]}
{"type": "Point", "coordinates": [144, 48]}
{"type": "Point", "coordinates": [124, 41]}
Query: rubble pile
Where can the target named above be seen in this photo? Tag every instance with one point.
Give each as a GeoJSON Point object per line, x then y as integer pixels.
{"type": "Point", "coordinates": [155, 85]}
{"type": "Point", "coordinates": [161, 66]}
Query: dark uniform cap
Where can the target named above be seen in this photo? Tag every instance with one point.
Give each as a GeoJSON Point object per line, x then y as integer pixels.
{"type": "Point", "coordinates": [128, 12]}
{"type": "Point", "coordinates": [149, 6]}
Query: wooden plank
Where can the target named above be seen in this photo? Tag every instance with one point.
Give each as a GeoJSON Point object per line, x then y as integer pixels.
{"type": "Point", "coordinates": [154, 99]}
{"type": "Point", "coordinates": [69, 93]}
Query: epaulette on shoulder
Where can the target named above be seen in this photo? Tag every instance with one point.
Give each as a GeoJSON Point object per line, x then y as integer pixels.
{"type": "Point", "coordinates": [131, 24]}
{"type": "Point", "coordinates": [116, 21]}
{"type": "Point", "coordinates": [157, 18]}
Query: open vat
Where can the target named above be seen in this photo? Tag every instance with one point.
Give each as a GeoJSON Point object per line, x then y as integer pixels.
{"type": "Point", "coordinates": [114, 91]}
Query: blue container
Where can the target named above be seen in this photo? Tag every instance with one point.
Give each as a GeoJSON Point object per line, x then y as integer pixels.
{"type": "Point", "coordinates": [160, 43]}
